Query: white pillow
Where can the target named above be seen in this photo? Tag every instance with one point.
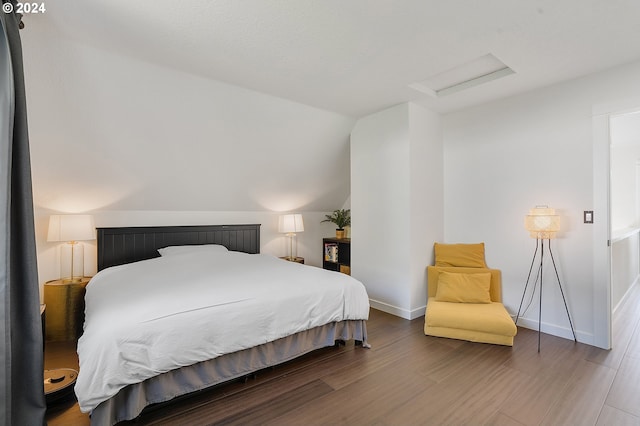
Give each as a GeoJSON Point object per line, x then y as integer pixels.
{"type": "Point", "coordinates": [203, 248]}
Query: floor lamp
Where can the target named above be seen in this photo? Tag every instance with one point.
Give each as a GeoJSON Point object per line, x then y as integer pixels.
{"type": "Point", "coordinates": [543, 224]}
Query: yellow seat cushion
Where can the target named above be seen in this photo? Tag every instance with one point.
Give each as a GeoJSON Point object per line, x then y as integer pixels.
{"type": "Point", "coordinates": [491, 318]}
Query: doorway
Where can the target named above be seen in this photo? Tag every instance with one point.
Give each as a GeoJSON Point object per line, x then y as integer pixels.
{"type": "Point", "coordinates": [624, 201]}
{"type": "Point", "coordinates": [602, 228]}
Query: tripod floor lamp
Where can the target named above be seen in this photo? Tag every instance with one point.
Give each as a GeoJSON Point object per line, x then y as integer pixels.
{"type": "Point", "coordinates": [542, 224]}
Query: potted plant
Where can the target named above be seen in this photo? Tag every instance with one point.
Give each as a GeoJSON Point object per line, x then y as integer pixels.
{"type": "Point", "coordinates": [341, 218]}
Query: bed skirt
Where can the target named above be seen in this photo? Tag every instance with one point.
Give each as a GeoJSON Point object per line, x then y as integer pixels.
{"type": "Point", "coordinates": [130, 401]}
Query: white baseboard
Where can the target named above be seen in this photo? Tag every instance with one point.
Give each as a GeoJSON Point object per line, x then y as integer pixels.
{"type": "Point", "coordinates": [556, 330]}
{"type": "Point", "coordinates": [399, 312]}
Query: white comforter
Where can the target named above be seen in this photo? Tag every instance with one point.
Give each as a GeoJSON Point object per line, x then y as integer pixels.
{"type": "Point", "coordinates": [149, 317]}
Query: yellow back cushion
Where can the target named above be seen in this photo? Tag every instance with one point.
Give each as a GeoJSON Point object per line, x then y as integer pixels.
{"type": "Point", "coordinates": [461, 255]}
{"type": "Point", "coordinates": [464, 288]}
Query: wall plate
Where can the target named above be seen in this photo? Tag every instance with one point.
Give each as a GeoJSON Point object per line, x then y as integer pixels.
{"type": "Point", "coordinates": [588, 216]}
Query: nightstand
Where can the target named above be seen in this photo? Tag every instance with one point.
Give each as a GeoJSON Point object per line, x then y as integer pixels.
{"type": "Point", "coordinates": [294, 259]}
{"type": "Point", "coordinates": [65, 308]}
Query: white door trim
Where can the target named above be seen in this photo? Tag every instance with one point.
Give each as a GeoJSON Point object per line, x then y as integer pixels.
{"type": "Point", "coordinates": [602, 309]}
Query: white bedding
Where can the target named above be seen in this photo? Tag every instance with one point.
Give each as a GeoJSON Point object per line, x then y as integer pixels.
{"type": "Point", "coordinates": [149, 317]}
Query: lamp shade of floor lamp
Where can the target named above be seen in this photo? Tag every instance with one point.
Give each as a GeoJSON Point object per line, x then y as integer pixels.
{"type": "Point", "coordinates": [71, 229]}
{"type": "Point", "coordinates": [290, 224]}
{"type": "Point", "coordinates": [543, 224]}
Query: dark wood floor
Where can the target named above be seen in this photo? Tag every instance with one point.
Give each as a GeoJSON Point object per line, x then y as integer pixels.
{"type": "Point", "coordinates": [410, 378]}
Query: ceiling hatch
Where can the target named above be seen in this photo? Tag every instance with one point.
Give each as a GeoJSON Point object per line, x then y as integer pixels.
{"type": "Point", "coordinates": [473, 73]}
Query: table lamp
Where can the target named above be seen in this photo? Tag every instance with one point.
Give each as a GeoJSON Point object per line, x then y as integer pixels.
{"type": "Point", "coordinates": [71, 229]}
{"type": "Point", "coordinates": [290, 224]}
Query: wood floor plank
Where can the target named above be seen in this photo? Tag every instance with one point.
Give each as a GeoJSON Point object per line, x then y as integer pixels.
{"type": "Point", "coordinates": [217, 410]}
{"type": "Point", "coordinates": [449, 403]}
{"type": "Point", "coordinates": [421, 351]}
{"type": "Point", "coordinates": [500, 419]}
{"type": "Point", "coordinates": [535, 397]}
{"type": "Point", "coordinates": [553, 351]}
{"type": "Point", "coordinates": [231, 399]}
{"type": "Point", "coordinates": [361, 402]}
{"type": "Point", "coordinates": [584, 396]}
{"type": "Point", "coordinates": [625, 390]}
{"type": "Point", "coordinates": [469, 362]}
{"type": "Point", "coordinates": [612, 416]}
{"type": "Point", "coordinates": [624, 324]}
{"type": "Point", "coordinates": [622, 334]}
{"type": "Point", "coordinates": [549, 373]}
{"type": "Point", "coordinates": [633, 350]}
{"type": "Point", "coordinates": [276, 406]}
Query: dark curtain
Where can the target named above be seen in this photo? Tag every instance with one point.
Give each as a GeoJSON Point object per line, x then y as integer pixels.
{"type": "Point", "coordinates": [22, 399]}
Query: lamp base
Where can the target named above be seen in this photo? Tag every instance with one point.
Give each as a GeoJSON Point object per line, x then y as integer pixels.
{"type": "Point", "coordinates": [71, 262]}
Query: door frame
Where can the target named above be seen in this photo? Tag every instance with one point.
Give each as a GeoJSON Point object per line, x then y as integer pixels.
{"type": "Point", "coordinates": [602, 309]}
{"type": "Point", "coordinates": [602, 330]}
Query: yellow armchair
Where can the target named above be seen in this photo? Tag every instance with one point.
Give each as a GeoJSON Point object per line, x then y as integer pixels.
{"type": "Point", "coordinates": [465, 302]}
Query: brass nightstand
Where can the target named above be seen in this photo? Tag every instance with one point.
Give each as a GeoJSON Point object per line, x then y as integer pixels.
{"type": "Point", "coordinates": [65, 309]}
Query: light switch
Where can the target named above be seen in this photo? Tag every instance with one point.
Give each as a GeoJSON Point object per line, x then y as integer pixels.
{"type": "Point", "coordinates": [588, 216]}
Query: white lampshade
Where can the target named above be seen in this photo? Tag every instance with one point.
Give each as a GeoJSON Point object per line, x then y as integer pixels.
{"type": "Point", "coordinates": [542, 222]}
{"type": "Point", "coordinates": [290, 223]}
{"type": "Point", "coordinates": [71, 227]}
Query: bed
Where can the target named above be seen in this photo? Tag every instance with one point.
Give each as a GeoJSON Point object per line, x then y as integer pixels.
{"type": "Point", "coordinates": [209, 310]}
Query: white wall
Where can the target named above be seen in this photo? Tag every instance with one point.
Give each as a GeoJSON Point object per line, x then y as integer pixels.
{"type": "Point", "coordinates": [114, 133]}
{"type": "Point", "coordinates": [136, 143]}
{"type": "Point", "coordinates": [427, 197]}
{"type": "Point", "coordinates": [380, 189]}
{"type": "Point", "coordinates": [625, 265]}
{"type": "Point", "coordinates": [396, 193]}
{"type": "Point", "coordinates": [505, 157]}
{"type": "Point", "coordinates": [624, 190]}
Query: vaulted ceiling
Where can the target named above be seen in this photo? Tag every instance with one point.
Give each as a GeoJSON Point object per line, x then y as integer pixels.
{"type": "Point", "coordinates": [358, 56]}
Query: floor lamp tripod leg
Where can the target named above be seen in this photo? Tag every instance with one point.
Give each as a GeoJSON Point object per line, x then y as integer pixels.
{"type": "Point", "coordinates": [527, 283]}
{"type": "Point", "coordinates": [540, 305]}
{"type": "Point", "coordinates": [562, 293]}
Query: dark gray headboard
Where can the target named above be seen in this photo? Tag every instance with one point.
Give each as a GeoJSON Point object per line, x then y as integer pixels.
{"type": "Point", "coordinates": [117, 246]}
